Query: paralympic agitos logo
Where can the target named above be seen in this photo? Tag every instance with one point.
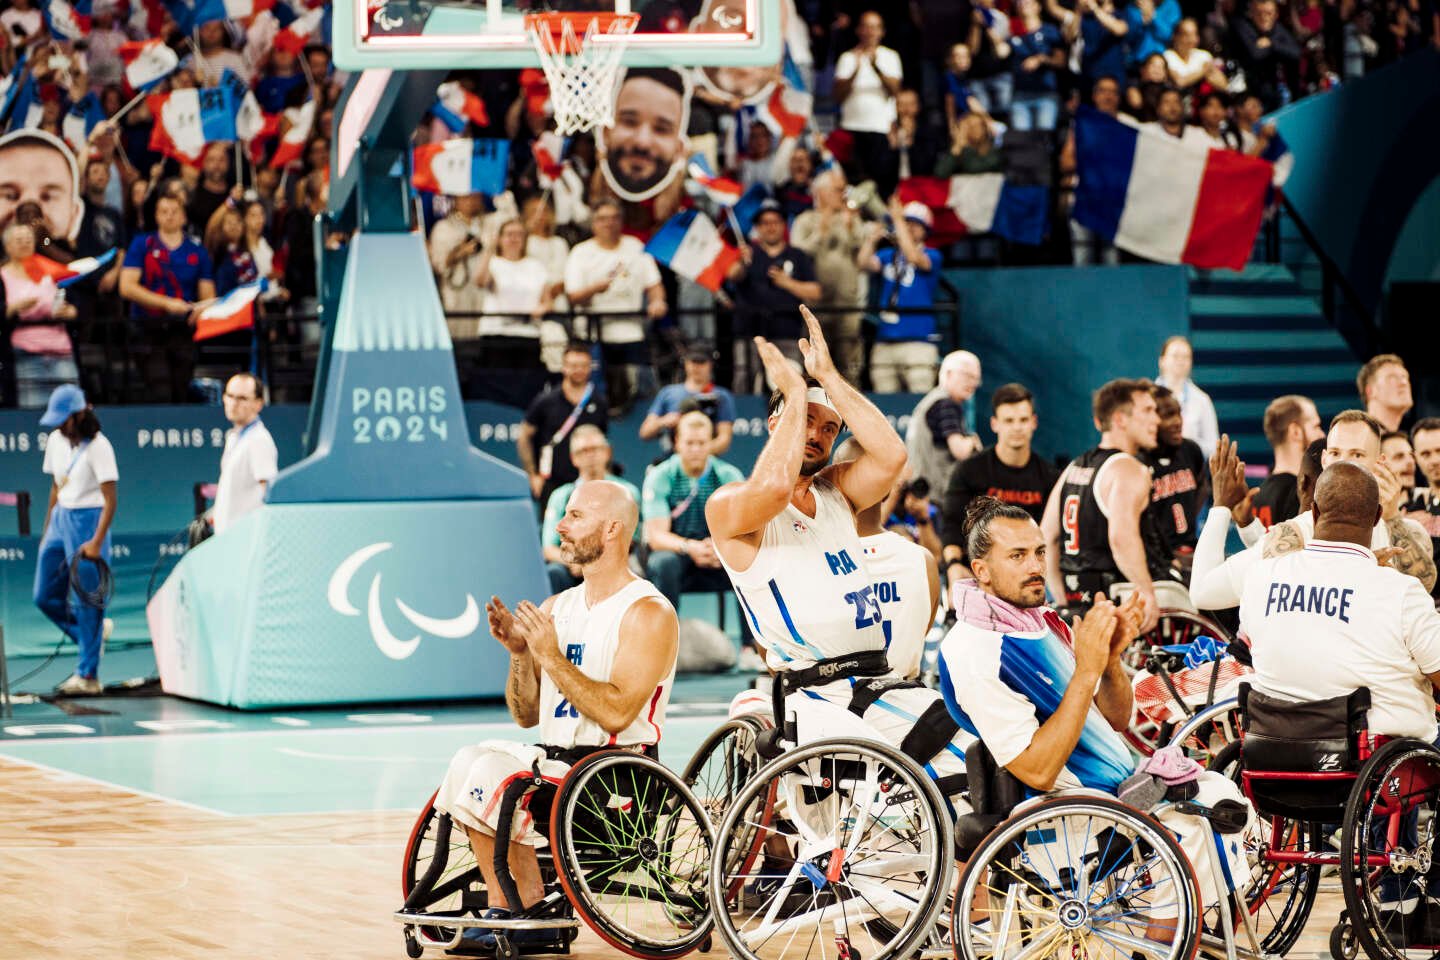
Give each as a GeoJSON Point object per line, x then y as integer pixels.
{"type": "Point", "coordinates": [338, 595]}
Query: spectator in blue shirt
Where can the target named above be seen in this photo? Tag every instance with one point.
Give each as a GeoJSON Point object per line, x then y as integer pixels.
{"type": "Point", "coordinates": [1103, 35]}
{"type": "Point", "coordinates": [590, 452]}
{"type": "Point", "coordinates": [1150, 26]}
{"type": "Point", "coordinates": [1037, 53]}
{"type": "Point", "coordinates": [168, 278]}
{"type": "Point", "coordinates": [682, 555]}
{"type": "Point", "coordinates": [905, 356]}
{"type": "Point", "coordinates": [698, 392]}
{"type": "Point", "coordinates": [958, 99]}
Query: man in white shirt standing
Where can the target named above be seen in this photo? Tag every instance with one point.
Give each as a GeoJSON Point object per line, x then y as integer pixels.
{"type": "Point", "coordinates": [612, 274]}
{"type": "Point", "coordinates": [867, 80]}
{"type": "Point", "coordinates": [250, 460]}
{"type": "Point", "coordinates": [81, 464]}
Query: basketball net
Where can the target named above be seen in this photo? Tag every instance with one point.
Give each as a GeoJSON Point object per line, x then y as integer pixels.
{"type": "Point", "coordinates": [581, 73]}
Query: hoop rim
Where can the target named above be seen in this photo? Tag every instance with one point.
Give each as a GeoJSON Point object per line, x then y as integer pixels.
{"type": "Point", "coordinates": [580, 21]}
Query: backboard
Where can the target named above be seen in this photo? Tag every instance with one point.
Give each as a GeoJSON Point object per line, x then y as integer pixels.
{"type": "Point", "coordinates": [490, 34]}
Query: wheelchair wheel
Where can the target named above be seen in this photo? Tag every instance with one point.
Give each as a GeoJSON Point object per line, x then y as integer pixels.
{"type": "Point", "coordinates": [1209, 732]}
{"type": "Point", "coordinates": [869, 847]}
{"type": "Point", "coordinates": [438, 846]}
{"type": "Point", "coordinates": [632, 846]}
{"type": "Point", "coordinates": [1279, 896]}
{"type": "Point", "coordinates": [1077, 877]}
{"type": "Point", "coordinates": [1388, 845]}
{"type": "Point", "coordinates": [723, 764]}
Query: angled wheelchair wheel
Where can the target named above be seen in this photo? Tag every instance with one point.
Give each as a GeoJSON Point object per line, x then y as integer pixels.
{"type": "Point", "coordinates": [632, 846]}
{"type": "Point", "coordinates": [720, 768]}
{"type": "Point", "coordinates": [439, 874]}
{"type": "Point", "coordinates": [1077, 877]}
{"type": "Point", "coordinates": [867, 845]}
{"type": "Point", "coordinates": [1278, 896]}
{"type": "Point", "coordinates": [1388, 849]}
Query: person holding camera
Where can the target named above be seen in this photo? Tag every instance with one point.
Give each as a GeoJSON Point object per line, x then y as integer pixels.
{"type": "Point", "coordinates": [455, 251]}
{"type": "Point", "coordinates": [698, 391]}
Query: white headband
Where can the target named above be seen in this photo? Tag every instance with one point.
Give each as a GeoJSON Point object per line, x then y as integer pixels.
{"type": "Point", "coordinates": [814, 395]}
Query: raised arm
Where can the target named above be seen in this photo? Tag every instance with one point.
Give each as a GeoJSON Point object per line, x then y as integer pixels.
{"type": "Point", "coordinates": [868, 478]}
{"type": "Point", "coordinates": [648, 641]}
{"type": "Point", "coordinates": [744, 507]}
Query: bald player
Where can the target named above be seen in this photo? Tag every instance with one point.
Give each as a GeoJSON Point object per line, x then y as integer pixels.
{"type": "Point", "coordinates": [907, 582]}
{"type": "Point", "coordinates": [592, 666]}
{"type": "Point", "coordinates": [1354, 437]}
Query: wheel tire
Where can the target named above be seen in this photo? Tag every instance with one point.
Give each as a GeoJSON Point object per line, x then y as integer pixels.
{"type": "Point", "coordinates": [903, 781]}
{"type": "Point", "coordinates": [578, 799]}
{"type": "Point", "coordinates": [739, 729]}
{"type": "Point", "coordinates": [1016, 830]}
{"type": "Point", "coordinates": [1355, 883]}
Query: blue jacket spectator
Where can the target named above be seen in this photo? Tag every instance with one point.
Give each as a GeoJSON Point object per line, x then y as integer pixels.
{"type": "Point", "coordinates": [1103, 34]}
{"type": "Point", "coordinates": [905, 356]}
{"type": "Point", "coordinates": [697, 392]}
{"type": "Point", "coordinates": [1151, 26]}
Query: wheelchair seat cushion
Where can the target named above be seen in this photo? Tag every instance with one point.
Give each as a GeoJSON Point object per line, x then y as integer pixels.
{"type": "Point", "coordinates": [993, 789]}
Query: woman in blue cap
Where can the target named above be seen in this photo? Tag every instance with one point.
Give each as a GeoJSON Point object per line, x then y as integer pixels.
{"type": "Point", "coordinates": [81, 464]}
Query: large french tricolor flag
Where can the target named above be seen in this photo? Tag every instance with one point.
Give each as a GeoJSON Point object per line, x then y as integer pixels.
{"type": "Point", "coordinates": [147, 62]}
{"type": "Point", "coordinates": [977, 203]}
{"type": "Point", "coordinates": [690, 245]}
{"type": "Point", "coordinates": [458, 167]}
{"type": "Point", "coordinates": [234, 311]}
{"type": "Point", "coordinates": [186, 120]}
{"type": "Point", "coordinates": [1157, 198]}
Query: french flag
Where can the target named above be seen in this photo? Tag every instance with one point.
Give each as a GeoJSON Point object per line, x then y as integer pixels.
{"type": "Point", "coordinates": [980, 203]}
{"type": "Point", "coordinates": [455, 106]}
{"type": "Point", "coordinates": [147, 62]}
{"type": "Point", "coordinates": [790, 105]}
{"type": "Point", "coordinates": [690, 245]}
{"type": "Point", "coordinates": [234, 311]}
{"type": "Point", "coordinates": [83, 116]}
{"type": "Point", "coordinates": [301, 32]}
{"type": "Point", "coordinates": [66, 21]}
{"type": "Point", "coordinates": [1156, 198]}
{"type": "Point", "coordinates": [720, 190]}
{"type": "Point", "coordinates": [82, 269]}
{"type": "Point", "coordinates": [186, 120]}
{"type": "Point", "coordinates": [292, 143]}
{"type": "Point", "coordinates": [458, 167]}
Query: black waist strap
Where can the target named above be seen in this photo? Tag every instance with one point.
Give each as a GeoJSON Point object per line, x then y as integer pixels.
{"type": "Point", "coordinates": [869, 663]}
{"type": "Point", "coordinates": [573, 755]}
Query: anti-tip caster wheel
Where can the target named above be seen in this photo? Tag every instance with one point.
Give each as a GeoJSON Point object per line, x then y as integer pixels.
{"type": "Point", "coordinates": [1343, 944]}
{"type": "Point", "coordinates": [413, 950]}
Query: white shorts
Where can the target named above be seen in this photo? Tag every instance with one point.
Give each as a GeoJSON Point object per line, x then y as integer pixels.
{"type": "Point", "coordinates": [823, 711]}
{"type": "Point", "coordinates": [1194, 838]}
{"type": "Point", "coordinates": [476, 781]}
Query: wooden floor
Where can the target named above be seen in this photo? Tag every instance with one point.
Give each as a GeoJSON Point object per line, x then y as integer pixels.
{"type": "Point", "coordinates": [93, 871]}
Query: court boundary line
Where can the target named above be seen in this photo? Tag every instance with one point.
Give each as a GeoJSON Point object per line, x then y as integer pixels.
{"type": "Point", "coordinates": [120, 788]}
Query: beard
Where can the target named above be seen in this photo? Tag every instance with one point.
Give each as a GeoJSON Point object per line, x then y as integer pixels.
{"type": "Point", "coordinates": [1026, 595]}
{"type": "Point", "coordinates": [808, 467]}
{"type": "Point", "coordinates": [636, 170]}
{"type": "Point", "coordinates": [583, 551]}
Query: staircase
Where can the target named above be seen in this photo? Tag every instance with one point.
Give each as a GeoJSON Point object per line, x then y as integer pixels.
{"type": "Point", "coordinates": [1259, 334]}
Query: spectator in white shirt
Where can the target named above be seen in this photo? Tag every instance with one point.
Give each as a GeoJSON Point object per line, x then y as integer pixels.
{"type": "Point", "coordinates": [612, 274]}
{"type": "Point", "coordinates": [516, 295]}
{"type": "Point", "coordinates": [867, 80]}
{"type": "Point", "coordinates": [1170, 121]}
{"type": "Point", "coordinates": [455, 249]}
{"type": "Point", "coordinates": [22, 22]}
{"type": "Point", "coordinates": [542, 244]}
{"type": "Point", "coordinates": [1188, 64]}
{"type": "Point", "coordinates": [1196, 408]}
{"type": "Point", "coordinates": [250, 460]}
{"type": "Point", "coordinates": [83, 498]}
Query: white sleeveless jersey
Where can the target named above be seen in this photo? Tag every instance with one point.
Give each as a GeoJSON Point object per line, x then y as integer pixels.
{"type": "Point", "coordinates": [589, 638]}
{"type": "Point", "coordinates": [899, 569]}
{"type": "Point", "coordinates": [807, 594]}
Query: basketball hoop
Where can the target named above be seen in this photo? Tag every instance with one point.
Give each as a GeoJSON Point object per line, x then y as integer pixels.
{"type": "Point", "coordinates": [581, 73]}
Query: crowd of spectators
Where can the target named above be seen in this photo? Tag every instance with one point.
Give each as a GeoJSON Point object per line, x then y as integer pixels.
{"type": "Point", "coordinates": [903, 91]}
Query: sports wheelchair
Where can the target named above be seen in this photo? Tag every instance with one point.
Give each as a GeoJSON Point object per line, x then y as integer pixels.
{"type": "Point", "coordinates": [840, 845]}
{"type": "Point", "coordinates": [1308, 768]}
{"type": "Point", "coordinates": [629, 847]}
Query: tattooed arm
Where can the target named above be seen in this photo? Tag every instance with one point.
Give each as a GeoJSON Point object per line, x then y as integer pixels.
{"type": "Point", "coordinates": [1412, 550]}
{"type": "Point", "coordinates": [1282, 539]}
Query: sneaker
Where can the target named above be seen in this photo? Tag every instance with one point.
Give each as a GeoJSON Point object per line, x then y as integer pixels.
{"type": "Point", "coordinates": [750, 661]}
{"type": "Point", "coordinates": [78, 686]}
{"type": "Point", "coordinates": [484, 938]}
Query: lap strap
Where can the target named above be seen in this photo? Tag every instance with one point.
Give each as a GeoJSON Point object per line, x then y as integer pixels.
{"type": "Point", "coordinates": [867, 663]}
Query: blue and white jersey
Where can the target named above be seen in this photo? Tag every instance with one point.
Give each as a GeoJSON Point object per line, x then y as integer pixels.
{"type": "Point", "coordinates": [807, 594]}
{"type": "Point", "coordinates": [1002, 686]}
